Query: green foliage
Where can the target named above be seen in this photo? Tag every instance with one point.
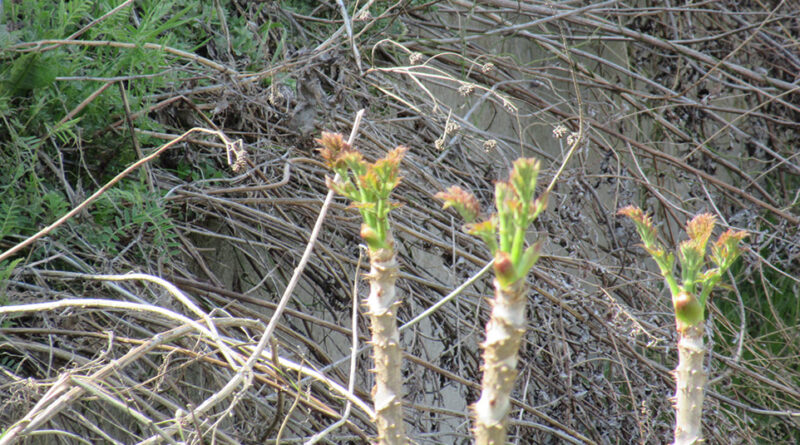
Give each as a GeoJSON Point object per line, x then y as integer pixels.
{"type": "Point", "coordinates": [504, 233]}
{"type": "Point", "coordinates": [125, 215]}
{"type": "Point", "coordinates": [6, 268]}
{"type": "Point", "coordinates": [40, 85]}
{"type": "Point", "coordinates": [688, 304]}
{"type": "Point", "coordinates": [28, 89]}
{"type": "Point", "coordinates": [12, 219]}
{"type": "Point", "coordinates": [368, 185]}
{"type": "Point", "coordinates": [28, 72]}
{"type": "Point", "coordinates": [24, 204]}
{"type": "Point", "coordinates": [769, 301]}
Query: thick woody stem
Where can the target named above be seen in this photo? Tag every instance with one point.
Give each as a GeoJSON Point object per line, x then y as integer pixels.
{"type": "Point", "coordinates": [500, 356]}
{"type": "Point", "coordinates": [690, 381]}
{"type": "Point", "coordinates": [382, 304]}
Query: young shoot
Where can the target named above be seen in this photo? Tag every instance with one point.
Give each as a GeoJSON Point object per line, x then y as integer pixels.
{"type": "Point", "coordinates": [690, 296]}
{"type": "Point", "coordinates": [504, 233]}
{"type": "Point", "coordinates": [367, 185]}
{"type": "Point", "coordinates": [689, 299]}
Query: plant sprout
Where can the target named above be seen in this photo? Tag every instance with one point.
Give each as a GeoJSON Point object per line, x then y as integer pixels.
{"type": "Point", "coordinates": [689, 299]}
{"type": "Point", "coordinates": [368, 186]}
{"type": "Point", "coordinates": [504, 233]}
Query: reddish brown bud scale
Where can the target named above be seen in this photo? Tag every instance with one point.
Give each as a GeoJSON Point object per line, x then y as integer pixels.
{"type": "Point", "coordinates": [503, 267]}
{"type": "Point", "coordinates": [368, 233]}
{"type": "Point", "coordinates": [682, 301]}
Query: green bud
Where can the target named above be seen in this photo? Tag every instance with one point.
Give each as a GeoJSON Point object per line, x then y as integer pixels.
{"type": "Point", "coordinates": [371, 237]}
{"type": "Point", "coordinates": [688, 310]}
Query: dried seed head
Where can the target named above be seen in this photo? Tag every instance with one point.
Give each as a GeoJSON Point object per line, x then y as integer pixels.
{"type": "Point", "coordinates": [466, 89]}
{"type": "Point", "coordinates": [487, 68]}
{"type": "Point", "coordinates": [572, 138]}
{"type": "Point", "coordinates": [415, 58]}
{"type": "Point", "coordinates": [275, 96]}
{"type": "Point", "coordinates": [451, 128]}
{"type": "Point", "coordinates": [237, 156]}
{"type": "Point", "coordinates": [240, 165]}
{"type": "Point", "coordinates": [363, 17]}
{"type": "Point", "coordinates": [489, 145]}
{"type": "Point", "coordinates": [559, 132]}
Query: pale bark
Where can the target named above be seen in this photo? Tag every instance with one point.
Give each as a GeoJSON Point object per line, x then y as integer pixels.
{"type": "Point", "coordinates": [382, 304]}
{"type": "Point", "coordinates": [500, 356]}
{"type": "Point", "coordinates": [690, 379]}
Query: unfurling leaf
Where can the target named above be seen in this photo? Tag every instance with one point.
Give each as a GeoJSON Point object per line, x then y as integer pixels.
{"type": "Point", "coordinates": [727, 248]}
{"type": "Point", "coordinates": [463, 201]}
{"type": "Point", "coordinates": [692, 259]}
{"type": "Point", "coordinates": [699, 229]}
{"type": "Point", "coordinates": [333, 146]}
{"type": "Point", "coordinates": [523, 178]}
{"type": "Point", "coordinates": [529, 258]}
{"type": "Point", "coordinates": [644, 225]}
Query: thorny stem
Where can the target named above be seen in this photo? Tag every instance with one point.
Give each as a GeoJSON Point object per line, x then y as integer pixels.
{"type": "Point", "coordinates": [512, 262]}
{"type": "Point", "coordinates": [504, 333]}
{"type": "Point", "coordinates": [690, 382]}
{"type": "Point", "coordinates": [369, 185]}
{"type": "Point", "coordinates": [382, 304]}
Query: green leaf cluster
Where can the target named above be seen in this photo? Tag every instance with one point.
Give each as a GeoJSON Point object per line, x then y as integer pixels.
{"type": "Point", "coordinates": [367, 185]}
{"type": "Point", "coordinates": [124, 217]}
{"type": "Point", "coordinates": [505, 232]}
{"type": "Point", "coordinates": [690, 295]}
{"type": "Point", "coordinates": [49, 165]}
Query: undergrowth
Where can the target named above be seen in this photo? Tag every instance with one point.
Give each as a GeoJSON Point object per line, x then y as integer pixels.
{"type": "Point", "coordinates": [58, 150]}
